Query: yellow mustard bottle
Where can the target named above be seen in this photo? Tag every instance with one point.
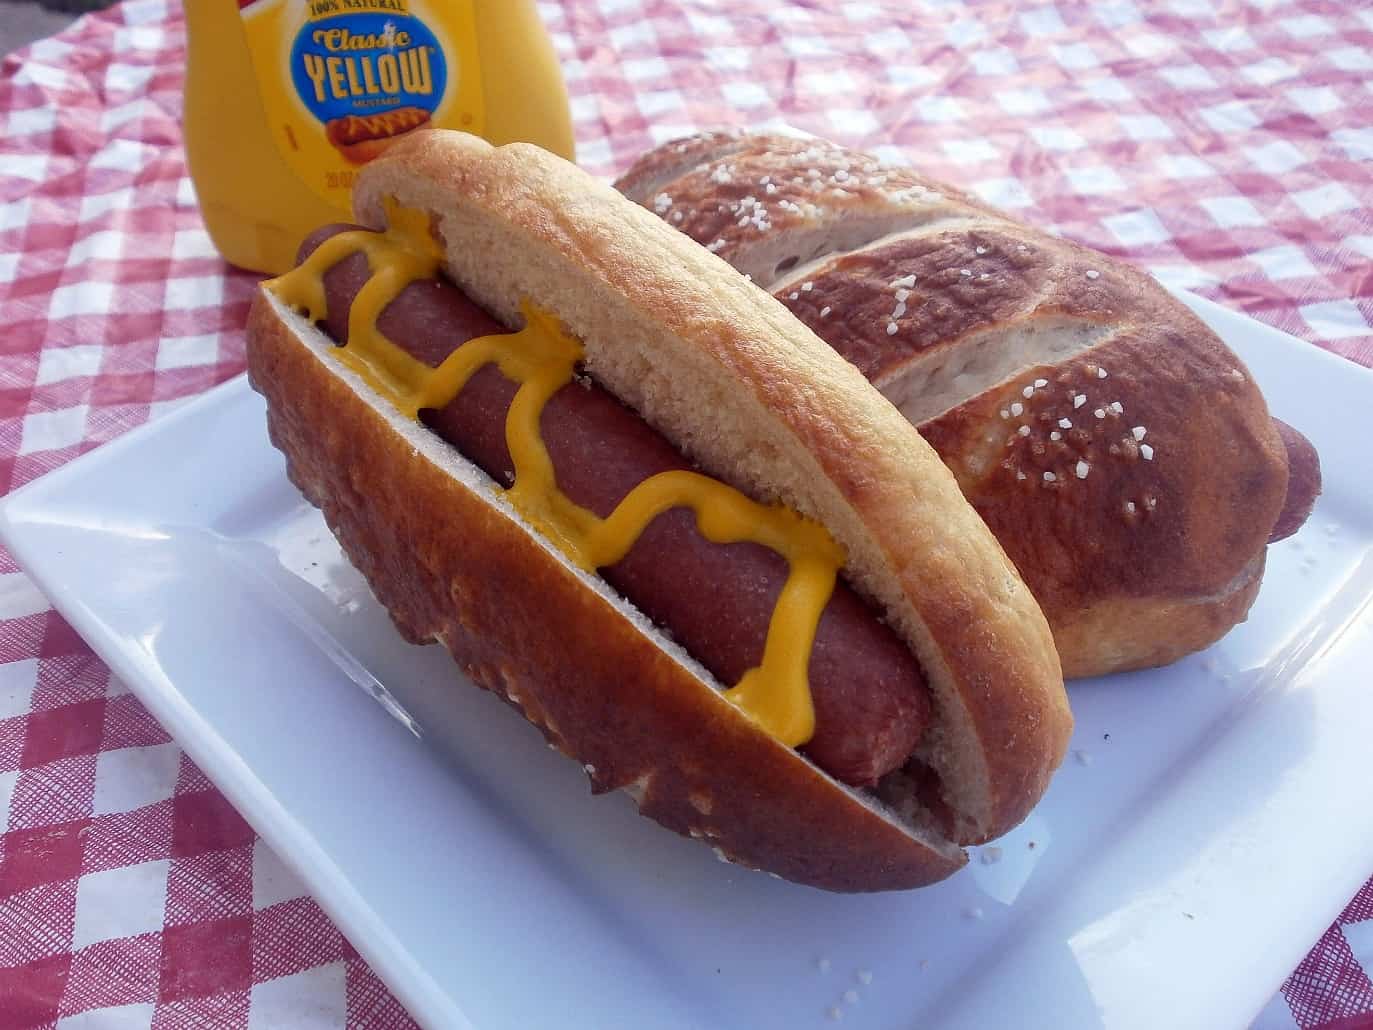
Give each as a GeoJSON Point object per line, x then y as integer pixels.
{"type": "Point", "coordinates": [286, 99]}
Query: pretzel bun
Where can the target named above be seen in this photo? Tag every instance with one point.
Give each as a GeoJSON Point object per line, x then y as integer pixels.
{"type": "Point", "coordinates": [743, 388]}
{"type": "Point", "coordinates": [1120, 452]}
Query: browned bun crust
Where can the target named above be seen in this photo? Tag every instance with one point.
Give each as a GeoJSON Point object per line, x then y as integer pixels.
{"type": "Point", "coordinates": [1141, 560]}
{"type": "Point", "coordinates": [666, 163]}
{"type": "Point", "coordinates": [1146, 632]}
{"type": "Point", "coordinates": [722, 370]}
{"type": "Point", "coordinates": [1140, 530]}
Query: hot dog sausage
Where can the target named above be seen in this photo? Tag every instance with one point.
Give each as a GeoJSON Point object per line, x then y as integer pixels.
{"type": "Point", "coordinates": [871, 701]}
{"type": "Point", "coordinates": [1303, 482]}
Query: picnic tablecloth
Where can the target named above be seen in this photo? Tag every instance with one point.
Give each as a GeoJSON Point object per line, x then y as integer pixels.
{"type": "Point", "coordinates": [1226, 147]}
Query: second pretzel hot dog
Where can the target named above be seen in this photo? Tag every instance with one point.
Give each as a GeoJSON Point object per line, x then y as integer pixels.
{"type": "Point", "coordinates": [871, 702]}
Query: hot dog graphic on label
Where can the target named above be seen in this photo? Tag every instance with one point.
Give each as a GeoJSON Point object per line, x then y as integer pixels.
{"type": "Point", "coordinates": [369, 78]}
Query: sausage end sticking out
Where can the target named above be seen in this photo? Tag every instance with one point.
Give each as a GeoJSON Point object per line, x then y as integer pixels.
{"type": "Point", "coordinates": [1303, 482]}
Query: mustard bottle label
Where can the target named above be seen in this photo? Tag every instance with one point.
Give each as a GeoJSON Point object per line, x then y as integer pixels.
{"type": "Point", "coordinates": [342, 80]}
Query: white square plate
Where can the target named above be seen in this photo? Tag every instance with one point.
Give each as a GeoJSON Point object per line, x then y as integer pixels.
{"type": "Point", "coordinates": [1211, 820]}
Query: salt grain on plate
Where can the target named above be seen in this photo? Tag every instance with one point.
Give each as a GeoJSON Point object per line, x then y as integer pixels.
{"type": "Point", "coordinates": [1146, 452]}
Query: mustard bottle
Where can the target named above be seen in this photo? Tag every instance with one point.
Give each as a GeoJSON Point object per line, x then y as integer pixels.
{"type": "Point", "coordinates": [286, 99]}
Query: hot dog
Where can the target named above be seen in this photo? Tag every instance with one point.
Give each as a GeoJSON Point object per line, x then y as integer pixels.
{"type": "Point", "coordinates": [1120, 452]}
{"type": "Point", "coordinates": [1303, 482]}
{"type": "Point", "coordinates": [727, 577]}
{"type": "Point", "coordinates": [360, 138]}
{"type": "Point", "coordinates": [714, 599]}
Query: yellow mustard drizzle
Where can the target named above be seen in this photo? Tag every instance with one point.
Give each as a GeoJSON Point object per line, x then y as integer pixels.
{"type": "Point", "coordinates": [543, 358]}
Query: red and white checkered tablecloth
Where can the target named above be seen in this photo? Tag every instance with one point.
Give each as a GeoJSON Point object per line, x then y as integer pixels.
{"type": "Point", "coordinates": [1230, 152]}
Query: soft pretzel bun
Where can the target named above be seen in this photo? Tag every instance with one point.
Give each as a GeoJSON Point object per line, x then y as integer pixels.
{"type": "Point", "coordinates": [739, 385]}
{"type": "Point", "coordinates": [1120, 452]}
